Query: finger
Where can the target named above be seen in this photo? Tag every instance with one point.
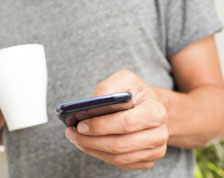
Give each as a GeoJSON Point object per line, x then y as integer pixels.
{"type": "Point", "coordinates": [138, 166]}
{"type": "Point", "coordinates": [127, 158]}
{"type": "Point", "coordinates": [125, 81]}
{"type": "Point", "coordinates": [147, 115]}
{"type": "Point", "coordinates": [122, 80]}
{"type": "Point", "coordinates": [118, 144]}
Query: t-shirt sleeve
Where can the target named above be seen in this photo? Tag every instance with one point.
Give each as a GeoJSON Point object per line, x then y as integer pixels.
{"type": "Point", "coordinates": [188, 21]}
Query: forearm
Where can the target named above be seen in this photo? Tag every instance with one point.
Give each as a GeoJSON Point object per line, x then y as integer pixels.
{"type": "Point", "coordinates": [195, 119]}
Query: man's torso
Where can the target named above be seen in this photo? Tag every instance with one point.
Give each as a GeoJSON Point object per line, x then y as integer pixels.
{"type": "Point", "coordinates": [85, 42]}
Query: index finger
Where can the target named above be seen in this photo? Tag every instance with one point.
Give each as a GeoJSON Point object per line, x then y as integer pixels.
{"type": "Point", "coordinates": [123, 122]}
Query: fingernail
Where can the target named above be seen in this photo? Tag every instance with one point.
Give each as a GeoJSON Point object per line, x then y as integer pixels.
{"type": "Point", "coordinates": [83, 127]}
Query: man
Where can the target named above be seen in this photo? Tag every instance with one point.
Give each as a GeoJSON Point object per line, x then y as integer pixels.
{"type": "Point", "coordinates": [160, 44]}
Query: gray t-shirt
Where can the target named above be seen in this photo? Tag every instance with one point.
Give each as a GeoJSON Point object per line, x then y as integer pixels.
{"type": "Point", "coordinates": [85, 42]}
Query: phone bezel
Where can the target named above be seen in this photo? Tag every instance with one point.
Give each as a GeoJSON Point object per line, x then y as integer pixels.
{"type": "Point", "coordinates": [93, 102]}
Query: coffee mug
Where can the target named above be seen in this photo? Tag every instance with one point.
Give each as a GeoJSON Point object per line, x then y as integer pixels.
{"type": "Point", "coordinates": [23, 86]}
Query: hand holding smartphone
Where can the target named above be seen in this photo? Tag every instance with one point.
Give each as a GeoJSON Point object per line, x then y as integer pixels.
{"type": "Point", "coordinates": [72, 112]}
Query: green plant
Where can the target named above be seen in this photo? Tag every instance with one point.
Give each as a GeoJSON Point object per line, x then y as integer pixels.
{"type": "Point", "coordinates": [210, 161]}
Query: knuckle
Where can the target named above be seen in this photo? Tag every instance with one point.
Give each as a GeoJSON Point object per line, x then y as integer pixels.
{"type": "Point", "coordinates": [118, 147]}
{"type": "Point", "coordinates": [158, 112]}
{"type": "Point", "coordinates": [162, 114]}
{"type": "Point", "coordinates": [163, 138]}
{"type": "Point", "coordinates": [101, 89]}
{"type": "Point", "coordinates": [128, 124]}
{"type": "Point", "coordinates": [162, 152]}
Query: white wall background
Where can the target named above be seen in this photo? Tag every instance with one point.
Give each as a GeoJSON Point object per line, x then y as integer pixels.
{"type": "Point", "coordinates": [220, 43]}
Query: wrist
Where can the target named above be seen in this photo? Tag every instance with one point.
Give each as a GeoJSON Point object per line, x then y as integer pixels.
{"type": "Point", "coordinates": [164, 97]}
{"type": "Point", "coordinates": [171, 101]}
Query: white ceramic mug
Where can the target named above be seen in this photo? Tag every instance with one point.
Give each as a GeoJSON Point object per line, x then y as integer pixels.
{"type": "Point", "coordinates": [23, 86]}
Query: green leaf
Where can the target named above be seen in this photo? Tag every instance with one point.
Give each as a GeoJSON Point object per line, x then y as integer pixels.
{"type": "Point", "coordinates": [214, 168]}
{"type": "Point", "coordinates": [197, 172]}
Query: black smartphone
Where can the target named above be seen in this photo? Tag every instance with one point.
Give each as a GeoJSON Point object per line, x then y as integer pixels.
{"type": "Point", "coordinates": [72, 112]}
